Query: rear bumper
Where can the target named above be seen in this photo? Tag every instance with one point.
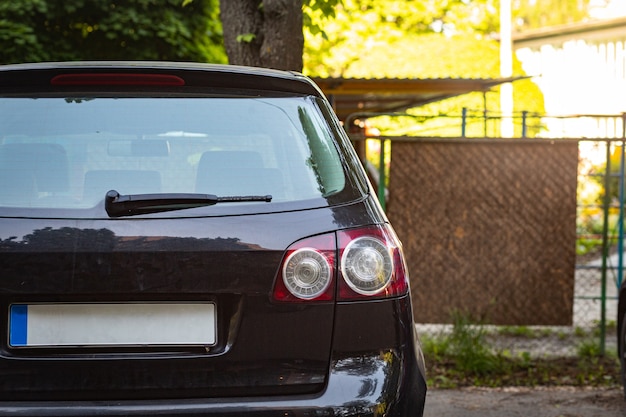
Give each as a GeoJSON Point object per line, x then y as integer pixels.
{"type": "Point", "coordinates": [363, 380]}
{"type": "Point", "coordinates": [347, 394]}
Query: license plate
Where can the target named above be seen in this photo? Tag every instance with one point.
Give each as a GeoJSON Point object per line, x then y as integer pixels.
{"type": "Point", "coordinates": [121, 324]}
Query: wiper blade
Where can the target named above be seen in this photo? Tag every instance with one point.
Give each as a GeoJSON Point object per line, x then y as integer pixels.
{"type": "Point", "coordinates": [117, 205]}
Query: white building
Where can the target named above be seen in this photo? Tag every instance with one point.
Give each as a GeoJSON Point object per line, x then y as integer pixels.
{"type": "Point", "coordinates": [581, 70]}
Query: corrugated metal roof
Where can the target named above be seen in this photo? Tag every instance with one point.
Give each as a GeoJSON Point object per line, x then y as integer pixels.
{"type": "Point", "coordinates": [385, 95]}
{"type": "Point", "coordinates": [590, 30]}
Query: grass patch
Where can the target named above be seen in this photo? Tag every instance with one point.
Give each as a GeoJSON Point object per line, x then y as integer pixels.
{"type": "Point", "coordinates": [517, 331]}
{"type": "Point", "coordinates": [463, 357]}
{"type": "Point", "coordinates": [517, 371]}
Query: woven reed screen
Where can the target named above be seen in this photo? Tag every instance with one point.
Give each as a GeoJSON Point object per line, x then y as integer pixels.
{"type": "Point", "coordinates": [488, 228]}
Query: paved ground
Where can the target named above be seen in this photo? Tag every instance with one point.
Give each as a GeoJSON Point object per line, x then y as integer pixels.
{"type": "Point", "coordinates": [536, 402]}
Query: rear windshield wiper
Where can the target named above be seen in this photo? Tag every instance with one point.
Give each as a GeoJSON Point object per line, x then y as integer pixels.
{"type": "Point", "coordinates": [117, 205]}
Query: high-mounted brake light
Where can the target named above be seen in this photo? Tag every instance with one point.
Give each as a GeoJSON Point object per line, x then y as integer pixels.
{"type": "Point", "coordinates": [118, 79]}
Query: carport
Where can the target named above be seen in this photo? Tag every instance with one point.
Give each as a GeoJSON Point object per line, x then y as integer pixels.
{"type": "Point", "coordinates": [353, 97]}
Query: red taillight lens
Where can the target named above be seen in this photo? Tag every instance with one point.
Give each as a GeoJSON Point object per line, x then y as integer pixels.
{"type": "Point", "coordinates": [372, 264]}
{"type": "Point", "coordinates": [308, 271]}
{"type": "Point", "coordinates": [118, 79]}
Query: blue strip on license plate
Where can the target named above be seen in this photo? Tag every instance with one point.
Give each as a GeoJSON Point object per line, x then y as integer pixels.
{"type": "Point", "coordinates": [123, 324]}
{"type": "Point", "coordinates": [19, 315]}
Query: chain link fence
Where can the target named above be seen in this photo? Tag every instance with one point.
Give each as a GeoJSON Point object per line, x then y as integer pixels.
{"type": "Point", "coordinates": [521, 228]}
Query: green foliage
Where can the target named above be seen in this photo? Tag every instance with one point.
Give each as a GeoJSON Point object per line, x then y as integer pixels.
{"type": "Point", "coordinates": [470, 348]}
{"type": "Point", "coordinates": [532, 14]}
{"type": "Point", "coordinates": [316, 12]}
{"type": "Point", "coordinates": [466, 346]}
{"type": "Point", "coordinates": [45, 30]}
{"type": "Point", "coordinates": [457, 57]}
{"type": "Point", "coordinates": [516, 331]}
{"type": "Point", "coordinates": [246, 37]}
{"type": "Point", "coordinates": [376, 39]}
{"type": "Point", "coordinates": [463, 357]}
{"type": "Point", "coordinates": [386, 19]}
{"type": "Point", "coordinates": [591, 195]}
{"type": "Point", "coordinates": [352, 28]}
{"type": "Point", "coordinates": [436, 348]}
{"type": "Point", "coordinates": [598, 171]}
{"type": "Point", "coordinates": [589, 348]}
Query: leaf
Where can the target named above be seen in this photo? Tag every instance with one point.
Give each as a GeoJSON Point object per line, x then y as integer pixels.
{"type": "Point", "coordinates": [246, 37]}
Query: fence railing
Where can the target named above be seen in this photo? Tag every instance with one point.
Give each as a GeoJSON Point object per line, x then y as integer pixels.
{"type": "Point", "coordinates": [600, 223]}
{"type": "Point", "coordinates": [485, 124]}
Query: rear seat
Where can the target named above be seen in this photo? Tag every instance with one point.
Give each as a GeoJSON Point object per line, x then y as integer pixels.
{"type": "Point", "coordinates": [29, 171]}
{"type": "Point", "coordinates": [230, 173]}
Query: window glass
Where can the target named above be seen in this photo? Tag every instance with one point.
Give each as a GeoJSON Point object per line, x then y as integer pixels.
{"type": "Point", "coordinates": [68, 152]}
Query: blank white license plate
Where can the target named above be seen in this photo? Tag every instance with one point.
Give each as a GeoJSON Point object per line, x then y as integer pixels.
{"type": "Point", "coordinates": [123, 324]}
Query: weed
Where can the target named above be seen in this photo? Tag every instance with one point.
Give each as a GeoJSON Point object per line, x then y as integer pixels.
{"type": "Point", "coordinates": [435, 347]}
{"type": "Point", "coordinates": [525, 359]}
{"type": "Point", "coordinates": [580, 332]}
{"type": "Point", "coordinates": [469, 347]}
{"type": "Point", "coordinates": [611, 326]}
{"type": "Point", "coordinates": [443, 381]}
{"type": "Point", "coordinates": [546, 332]}
{"type": "Point", "coordinates": [516, 331]}
{"type": "Point", "coordinates": [588, 348]}
{"type": "Point", "coordinates": [463, 357]}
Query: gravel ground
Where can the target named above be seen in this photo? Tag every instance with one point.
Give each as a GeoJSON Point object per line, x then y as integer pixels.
{"type": "Point", "coordinates": [537, 402]}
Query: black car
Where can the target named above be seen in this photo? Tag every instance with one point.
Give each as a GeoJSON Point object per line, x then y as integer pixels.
{"type": "Point", "coordinates": [190, 239]}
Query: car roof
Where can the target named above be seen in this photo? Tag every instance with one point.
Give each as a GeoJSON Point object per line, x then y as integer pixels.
{"type": "Point", "coordinates": [32, 76]}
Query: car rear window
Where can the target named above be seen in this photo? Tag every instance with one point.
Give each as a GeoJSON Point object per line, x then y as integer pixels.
{"type": "Point", "coordinates": [68, 152]}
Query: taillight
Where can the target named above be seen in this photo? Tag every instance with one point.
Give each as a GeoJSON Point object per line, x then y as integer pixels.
{"type": "Point", "coordinates": [372, 264]}
{"type": "Point", "coordinates": [369, 262]}
{"type": "Point", "coordinates": [367, 265]}
{"type": "Point", "coordinates": [308, 271]}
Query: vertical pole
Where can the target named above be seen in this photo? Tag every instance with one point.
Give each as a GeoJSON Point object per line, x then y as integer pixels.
{"type": "Point", "coordinates": [485, 112]}
{"type": "Point", "coordinates": [506, 70]}
{"type": "Point", "coordinates": [381, 175]}
{"type": "Point", "coordinates": [620, 237]}
{"type": "Point", "coordinates": [605, 246]}
{"type": "Point", "coordinates": [524, 122]}
{"type": "Point", "coordinates": [464, 122]}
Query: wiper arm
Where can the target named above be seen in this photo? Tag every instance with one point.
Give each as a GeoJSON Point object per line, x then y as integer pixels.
{"type": "Point", "coordinates": [117, 205]}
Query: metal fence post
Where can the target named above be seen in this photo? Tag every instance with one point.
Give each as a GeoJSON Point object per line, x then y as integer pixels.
{"type": "Point", "coordinates": [485, 119]}
{"type": "Point", "coordinates": [620, 237]}
{"type": "Point", "coordinates": [464, 122]}
{"type": "Point", "coordinates": [381, 175]}
{"type": "Point", "coordinates": [605, 246]}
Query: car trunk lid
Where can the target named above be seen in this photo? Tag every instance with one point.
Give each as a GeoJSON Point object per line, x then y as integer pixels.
{"type": "Point", "coordinates": [220, 270]}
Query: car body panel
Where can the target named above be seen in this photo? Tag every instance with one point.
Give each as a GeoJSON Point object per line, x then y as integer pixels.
{"type": "Point", "coordinates": [368, 382]}
{"type": "Point", "coordinates": [201, 259]}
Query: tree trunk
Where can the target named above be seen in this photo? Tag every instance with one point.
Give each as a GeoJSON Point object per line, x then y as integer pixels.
{"type": "Point", "coordinates": [264, 33]}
